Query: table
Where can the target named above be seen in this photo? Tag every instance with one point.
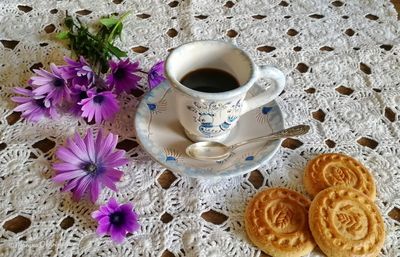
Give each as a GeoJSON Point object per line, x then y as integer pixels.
{"type": "Point", "coordinates": [342, 63]}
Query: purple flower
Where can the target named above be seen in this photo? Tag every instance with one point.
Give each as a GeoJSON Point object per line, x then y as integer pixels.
{"type": "Point", "coordinates": [122, 76]}
{"type": "Point", "coordinates": [53, 84]}
{"type": "Point", "coordinates": [79, 72]}
{"type": "Point", "coordinates": [156, 75]}
{"type": "Point", "coordinates": [100, 106]}
{"type": "Point", "coordinates": [116, 220]}
{"type": "Point", "coordinates": [88, 164]}
{"type": "Point", "coordinates": [79, 93]}
{"type": "Point", "coordinates": [33, 107]}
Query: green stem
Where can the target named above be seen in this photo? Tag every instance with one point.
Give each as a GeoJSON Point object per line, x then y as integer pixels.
{"type": "Point", "coordinates": [96, 48]}
{"type": "Point", "coordinates": [116, 26]}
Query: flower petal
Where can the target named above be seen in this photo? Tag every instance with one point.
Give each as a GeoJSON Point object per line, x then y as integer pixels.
{"type": "Point", "coordinates": [42, 89]}
{"type": "Point", "coordinates": [64, 166]}
{"type": "Point", "coordinates": [43, 73]}
{"type": "Point", "coordinates": [129, 213]}
{"type": "Point", "coordinates": [132, 226]}
{"type": "Point", "coordinates": [103, 229]}
{"type": "Point", "coordinates": [113, 204]}
{"type": "Point", "coordinates": [88, 109]}
{"type": "Point", "coordinates": [61, 177]}
{"type": "Point", "coordinates": [99, 141]}
{"type": "Point", "coordinates": [79, 142]}
{"type": "Point", "coordinates": [66, 155]}
{"type": "Point", "coordinates": [117, 235]}
{"type": "Point", "coordinates": [95, 189]}
{"type": "Point", "coordinates": [22, 91]}
{"type": "Point", "coordinates": [90, 145]}
{"type": "Point", "coordinates": [114, 174]}
{"type": "Point", "coordinates": [83, 155]}
{"type": "Point", "coordinates": [107, 145]}
{"type": "Point", "coordinates": [53, 113]}
{"type": "Point", "coordinates": [71, 184]}
{"type": "Point", "coordinates": [81, 188]}
{"type": "Point", "coordinates": [23, 107]}
{"type": "Point", "coordinates": [40, 81]}
{"type": "Point", "coordinates": [20, 99]}
{"type": "Point", "coordinates": [115, 159]}
{"type": "Point", "coordinates": [108, 183]}
{"type": "Point", "coordinates": [98, 115]}
{"type": "Point", "coordinates": [97, 215]}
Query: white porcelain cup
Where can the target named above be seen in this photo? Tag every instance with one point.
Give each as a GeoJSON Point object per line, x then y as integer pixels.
{"type": "Point", "coordinates": [211, 116]}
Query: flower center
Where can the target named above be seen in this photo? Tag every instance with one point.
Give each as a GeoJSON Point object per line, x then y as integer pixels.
{"type": "Point", "coordinates": [90, 167]}
{"type": "Point", "coordinates": [119, 74]}
{"type": "Point", "coordinates": [40, 103]}
{"type": "Point", "coordinates": [58, 82]}
{"type": "Point", "coordinates": [83, 95]}
{"type": "Point", "coordinates": [117, 218]}
{"type": "Point", "coordinates": [98, 99]}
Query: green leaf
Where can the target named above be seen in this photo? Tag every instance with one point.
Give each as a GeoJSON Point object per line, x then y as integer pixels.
{"type": "Point", "coordinates": [96, 47]}
{"type": "Point", "coordinates": [116, 51]}
{"type": "Point", "coordinates": [115, 32]}
{"type": "Point", "coordinates": [63, 35]}
{"type": "Point", "coordinates": [118, 29]}
{"type": "Point", "coordinates": [69, 22]}
{"type": "Point", "coordinates": [109, 22]}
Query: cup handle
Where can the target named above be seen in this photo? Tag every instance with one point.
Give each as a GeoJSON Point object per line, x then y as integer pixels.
{"type": "Point", "coordinates": [270, 93]}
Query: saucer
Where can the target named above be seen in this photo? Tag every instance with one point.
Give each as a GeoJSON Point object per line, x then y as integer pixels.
{"type": "Point", "coordinates": [161, 135]}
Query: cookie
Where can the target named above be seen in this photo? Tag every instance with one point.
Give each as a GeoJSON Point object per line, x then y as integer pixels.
{"type": "Point", "coordinates": [345, 222]}
{"type": "Point", "coordinates": [335, 169]}
{"type": "Point", "coordinates": [276, 221]}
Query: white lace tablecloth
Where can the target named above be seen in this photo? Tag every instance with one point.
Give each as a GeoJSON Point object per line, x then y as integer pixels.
{"type": "Point", "coordinates": [342, 64]}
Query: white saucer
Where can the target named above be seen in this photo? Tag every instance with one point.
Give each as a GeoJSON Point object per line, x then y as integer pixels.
{"type": "Point", "coordinates": [161, 135]}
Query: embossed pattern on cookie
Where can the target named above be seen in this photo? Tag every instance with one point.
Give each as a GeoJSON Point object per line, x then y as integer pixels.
{"type": "Point", "coordinates": [335, 169]}
{"type": "Point", "coordinates": [276, 221]}
{"type": "Point", "coordinates": [345, 222]}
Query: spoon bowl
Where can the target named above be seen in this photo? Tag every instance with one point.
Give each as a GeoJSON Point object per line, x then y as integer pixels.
{"type": "Point", "coordinates": [215, 151]}
{"type": "Point", "coordinates": [207, 151]}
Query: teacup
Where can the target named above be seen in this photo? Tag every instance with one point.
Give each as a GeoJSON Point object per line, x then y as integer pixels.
{"type": "Point", "coordinates": [212, 116]}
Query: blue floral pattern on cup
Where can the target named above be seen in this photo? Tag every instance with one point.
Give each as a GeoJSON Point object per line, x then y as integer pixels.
{"type": "Point", "coordinates": [204, 115]}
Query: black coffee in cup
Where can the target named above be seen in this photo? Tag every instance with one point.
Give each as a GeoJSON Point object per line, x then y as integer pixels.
{"type": "Point", "coordinates": [209, 80]}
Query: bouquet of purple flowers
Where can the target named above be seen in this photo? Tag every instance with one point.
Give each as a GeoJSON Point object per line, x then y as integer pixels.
{"type": "Point", "coordinates": [76, 86]}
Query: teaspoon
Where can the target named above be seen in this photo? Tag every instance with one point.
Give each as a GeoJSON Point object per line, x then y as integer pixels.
{"type": "Point", "coordinates": [215, 151]}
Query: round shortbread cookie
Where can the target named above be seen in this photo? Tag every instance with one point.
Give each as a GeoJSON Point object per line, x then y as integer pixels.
{"type": "Point", "coordinates": [335, 169]}
{"type": "Point", "coordinates": [345, 222]}
{"type": "Point", "coordinates": [276, 221]}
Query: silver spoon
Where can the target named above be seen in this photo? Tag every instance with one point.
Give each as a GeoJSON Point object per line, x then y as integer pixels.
{"type": "Point", "coordinates": [215, 151]}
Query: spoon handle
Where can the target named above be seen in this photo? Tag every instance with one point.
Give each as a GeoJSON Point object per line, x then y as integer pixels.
{"type": "Point", "coordinates": [289, 132]}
